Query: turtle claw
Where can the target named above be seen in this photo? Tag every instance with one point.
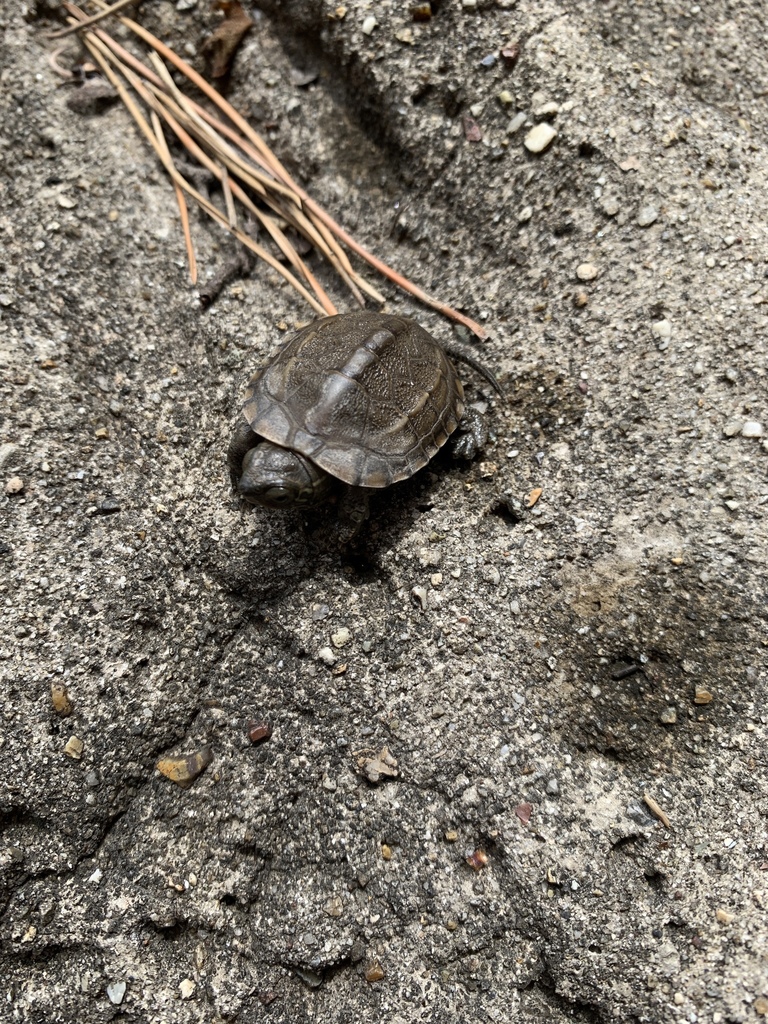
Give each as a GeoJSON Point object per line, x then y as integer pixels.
{"type": "Point", "coordinates": [471, 436]}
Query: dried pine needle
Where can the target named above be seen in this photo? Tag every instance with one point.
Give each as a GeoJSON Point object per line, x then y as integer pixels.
{"type": "Point", "coordinates": [239, 158]}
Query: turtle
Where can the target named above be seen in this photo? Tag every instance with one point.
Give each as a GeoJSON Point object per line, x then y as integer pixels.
{"type": "Point", "coordinates": [364, 398]}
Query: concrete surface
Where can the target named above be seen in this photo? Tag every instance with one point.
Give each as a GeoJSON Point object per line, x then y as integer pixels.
{"type": "Point", "coordinates": [574, 690]}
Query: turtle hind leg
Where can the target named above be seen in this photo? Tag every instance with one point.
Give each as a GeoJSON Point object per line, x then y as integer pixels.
{"type": "Point", "coordinates": [470, 437]}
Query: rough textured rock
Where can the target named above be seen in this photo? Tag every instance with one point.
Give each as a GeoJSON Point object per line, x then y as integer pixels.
{"type": "Point", "coordinates": [547, 674]}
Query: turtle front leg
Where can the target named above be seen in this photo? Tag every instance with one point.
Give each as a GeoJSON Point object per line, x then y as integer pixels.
{"type": "Point", "coordinates": [243, 439]}
{"type": "Point", "coordinates": [470, 437]}
{"type": "Point", "coordinates": [352, 511]}
{"type": "Point", "coordinates": [334, 530]}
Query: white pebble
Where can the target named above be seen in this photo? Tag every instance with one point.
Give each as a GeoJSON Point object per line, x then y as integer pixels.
{"type": "Point", "coordinates": [369, 25]}
{"type": "Point", "coordinates": [586, 271]}
{"type": "Point", "coordinates": [647, 216]}
{"type": "Point", "coordinates": [326, 655]}
{"type": "Point", "coordinates": [116, 991]}
{"type": "Point", "coordinates": [539, 137]}
{"type": "Point", "coordinates": [341, 637]}
{"type": "Point", "coordinates": [517, 122]}
{"type": "Point", "coordinates": [547, 110]}
{"type": "Point", "coordinates": [525, 215]}
{"type": "Point", "coordinates": [662, 329]}
{"type": "Point", "coordinates": [752, 428]}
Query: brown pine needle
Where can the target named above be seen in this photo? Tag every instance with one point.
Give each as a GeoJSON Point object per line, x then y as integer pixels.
{"type": "Point", "coordinates": [91, 21]}
{"type": "Point", "coordinates": [183, 209]}
{"type": "Point", "coordinates": [245, 160]}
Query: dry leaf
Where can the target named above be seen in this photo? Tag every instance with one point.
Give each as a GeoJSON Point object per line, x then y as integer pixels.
{"type": "Point", "coordinates": [381, 766]}
{"type": "Point", "coordinates": [220, 47]}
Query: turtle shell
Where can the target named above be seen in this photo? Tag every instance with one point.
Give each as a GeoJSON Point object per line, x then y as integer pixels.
{"type": "Point", "coordinates": [368, 397]}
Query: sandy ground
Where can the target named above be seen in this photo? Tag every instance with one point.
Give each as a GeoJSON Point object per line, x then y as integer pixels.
{"type": "Point", "coordinates": [574, 690]}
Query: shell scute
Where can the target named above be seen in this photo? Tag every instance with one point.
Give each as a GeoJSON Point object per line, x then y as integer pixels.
{"type": "Point", "coordinates": [368, 397]}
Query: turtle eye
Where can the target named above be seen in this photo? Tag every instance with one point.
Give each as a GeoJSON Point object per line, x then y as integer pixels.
{"type": "Point", "coordinates": [278, 496]}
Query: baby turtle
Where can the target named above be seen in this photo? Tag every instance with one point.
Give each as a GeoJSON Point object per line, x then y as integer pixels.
{"type": "Point", "coordinates": [362, 398]}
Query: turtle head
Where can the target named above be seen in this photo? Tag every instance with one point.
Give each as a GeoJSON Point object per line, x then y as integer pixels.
{"type": "Point", "coordinates": [279, 478]}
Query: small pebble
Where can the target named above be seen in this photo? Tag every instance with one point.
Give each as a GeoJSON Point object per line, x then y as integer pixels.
{"type": "Point", "coordinates": [547, 110]}
{"type": "Point", "coordinates": [477, 860]}
{"type": "Point", "coordinates": [6, 451]}
{"type": "Point", "coordinates": [517, 122]}
{"type": "Point", "coordinates": [186, 988]}
{"type": "Point", "coordinates": [724, 917]}
{"type": "Point", "coordinates": [539, 137]}
{"type": "Point", "coordinates": [259, 731]}
{"type": "Point", "coordinates": [668, 716]}
{"type": "Point", "coordinates": [386, 851]}
{"type": "Point", "coordinates": [369, 25]}
{"type": "Point", "coordinates": [506, 97]}
{"type": "Point", "coordinates": [15, 485]}
{"type": "Point", "coordinates": [702, 696]}
{"type": "Point", "coordinates": [62, 705]}
{"type": "Point", "coordinates": [662, 330]}
{"type": "Point", "coordinates": [185, 769]}
{"type": "Point", "coordinates": [553, 787]}
{"type": "Point", "coordinates": [375, 971]}
{"type": "Point", "coordinates": [752, 429]}
{"type": "Point", "coordinates": [586, 271]}
{"type": "Point", "coordinates": [74, 748]}
{"type": "Point", "coordinates": [647, 216]}
{"type": "Point", "coordinates": [341, 637]}
{"type": "Point", "coordinates": [334, 906]}
{"type": "Point", "coordinates": [66, 203]}
{"type": "Point", "coordinates": [580, 299]}
{"type": "Point", "coordinates": [116, 992]}
{"type": "Point", "coordinates": [610, 206]}
{"type": "Point", "coordinates": [419, 597]}
{"type": "Point", "coordinates": [326, 655]}
{"type": "Point", "coordinates": [525, 215]}
{"type": "Point", "coordinates": [422, 12]}
{"type": "Point", "coordinates": [733, 427]}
